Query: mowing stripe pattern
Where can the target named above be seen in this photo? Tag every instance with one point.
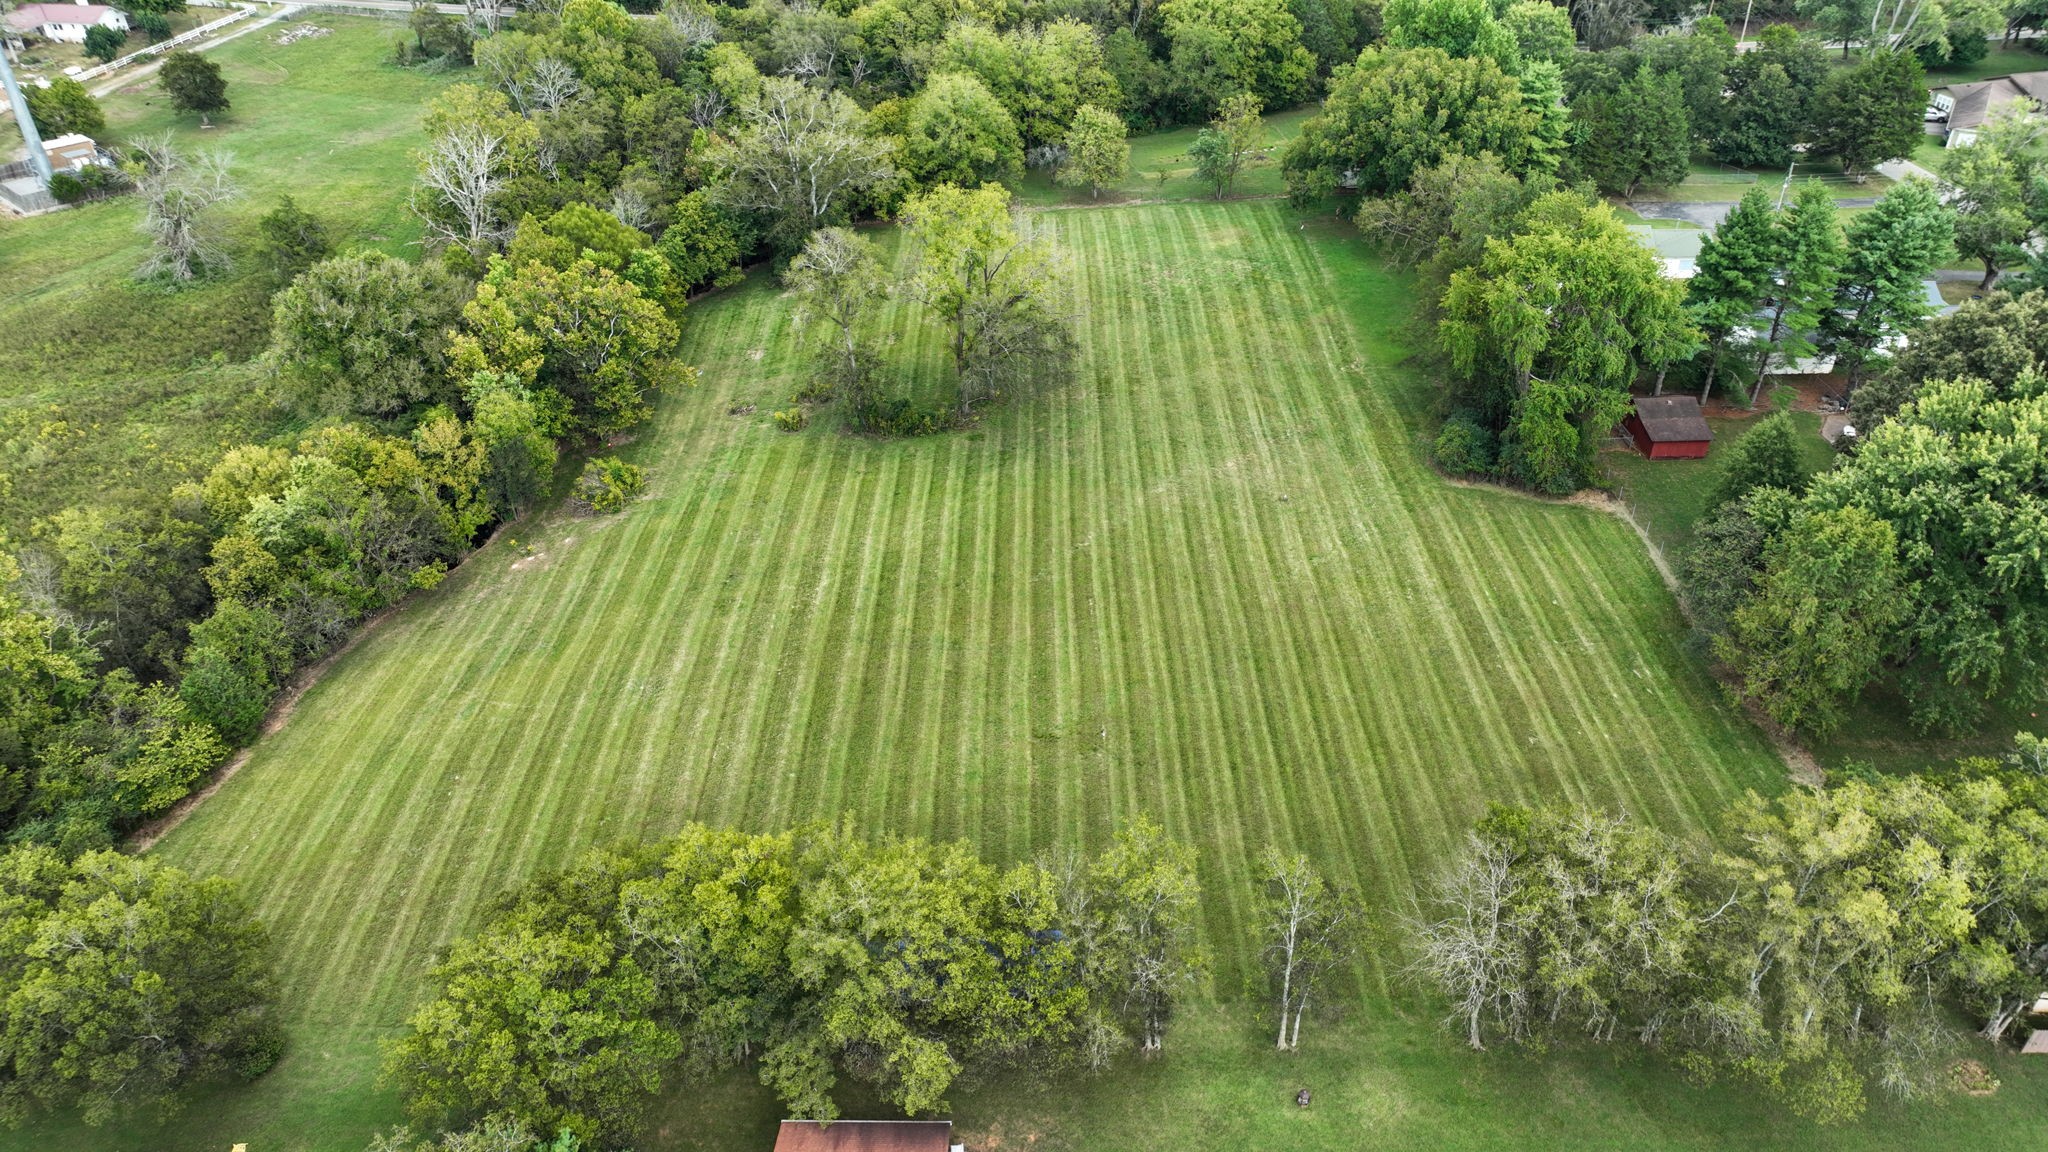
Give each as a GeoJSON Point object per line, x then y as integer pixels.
{"type": "Point", "coordinates": [1210, 579]}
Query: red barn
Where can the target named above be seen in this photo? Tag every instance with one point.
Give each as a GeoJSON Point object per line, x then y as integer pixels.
{"type": "Point", "coordinates": [1669, 428]}
{"type": "Point", "coordinates": [866, 1136]}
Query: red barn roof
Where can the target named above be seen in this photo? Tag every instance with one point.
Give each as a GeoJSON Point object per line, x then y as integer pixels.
{"type": "Point", "coordinates": [1672, 419]}
{"type": "Point", "coordinates": [865, 1136]}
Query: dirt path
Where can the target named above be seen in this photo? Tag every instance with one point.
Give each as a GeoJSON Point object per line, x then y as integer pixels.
{"type": "Point", "coordinates": [145, 837]}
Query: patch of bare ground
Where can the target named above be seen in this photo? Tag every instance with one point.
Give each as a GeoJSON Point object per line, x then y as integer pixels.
{"type": "Point", "coordinates": [145, 837]}
{"type": "Point", "coordinates": [1974, 1078]}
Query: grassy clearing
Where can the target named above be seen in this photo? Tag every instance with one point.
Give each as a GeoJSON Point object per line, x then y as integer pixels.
{"type": "Point", "coordinates": [107, 385]}
{"type": "Point", "coordinates": [1669, 496]}
{"type": "Point", "coordinates": [1999, 62]}
{"type": "Point", "coordinates": [1711, 182]}
{"type": "Point", "coordinates": [1161, 169]}
{"type": "Point", "coordinates": [1210, 580]}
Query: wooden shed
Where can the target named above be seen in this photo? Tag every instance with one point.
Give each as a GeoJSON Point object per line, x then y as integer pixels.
{"type": "Point", "coordinates": [1669, 428]}
{"type": "Point", "coordinates": [866, 1136]}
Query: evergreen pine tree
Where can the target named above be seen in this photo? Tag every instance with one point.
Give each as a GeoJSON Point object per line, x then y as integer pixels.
{"type": "Point", "coordinates": [1735, 271]}
{"type": "Point", "coordinates": [1768, 457]}
{"type": "Point", "coordinates": [1892, 248]}
{"type": "Point", "coordinates": [1811, 247]}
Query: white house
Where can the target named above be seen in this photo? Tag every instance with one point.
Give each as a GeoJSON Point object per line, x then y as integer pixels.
{"type": "Point", "coordinates": [65, 22]}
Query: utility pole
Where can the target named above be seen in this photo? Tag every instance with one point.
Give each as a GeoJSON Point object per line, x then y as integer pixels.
{"type": "Point", "coordinates": [37, 158]}
{"type": "Point", "coordinates": [1744, 35]}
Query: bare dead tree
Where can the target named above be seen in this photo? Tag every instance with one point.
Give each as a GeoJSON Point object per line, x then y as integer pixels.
{"type": "Point", "coordinates": [178, 193]}
{"type": "Point", "coordinates": [799, 154]}
{"type": "Point", "coordinates": [694, 25]}
{"type": "Point", "coordinates": [707, 106]}
{"type": "Point", "coordinates": [459, 176]}
{"type": "Point", "coordinates": [1466, 944]}
{"type": "Point", "coordinates": [483, 15]}
{"type": "Point", "coordinates": [551, 85]}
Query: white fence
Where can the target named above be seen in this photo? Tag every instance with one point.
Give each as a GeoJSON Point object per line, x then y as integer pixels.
{"type": "Point", "coordinates": [200, 32]}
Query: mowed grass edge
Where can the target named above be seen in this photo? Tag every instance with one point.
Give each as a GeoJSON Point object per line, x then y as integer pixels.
{"type": "Point", "coordinates": [1210, 580]}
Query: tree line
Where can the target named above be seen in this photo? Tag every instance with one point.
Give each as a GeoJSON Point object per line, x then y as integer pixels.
{"type": "Point", "coordinates": [1818, 949]}
{"type": "Point", "coordinates": [814, 955]}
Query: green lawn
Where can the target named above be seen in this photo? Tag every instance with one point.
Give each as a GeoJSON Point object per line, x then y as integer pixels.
{"type": "Point", "coordinates": [1669, 496]}
{"type": "Point", "coordinates": [1161, 169]}
{"type": "Point", "coordinates": [1211, 580]}
{"type": "Point", "coordinates": [2000, 62]}
{"type": "Point", "coordinates": [1710, 181]}
{"type": "Point", "coordinates": [107, 385]}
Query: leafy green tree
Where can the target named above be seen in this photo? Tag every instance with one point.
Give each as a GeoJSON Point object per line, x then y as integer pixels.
{"type": "Point", "coordinates": [1636, 136]}
{"type": "Point", "coordinates": [1556, 919]}
{"type": "Point", "coordinates": [1700, 60]}
{"type": "Point", "coordinates": [1871, 113]}
{"type": "Point", "coordinates": [1937, 474]}
{"type": "Point", "coordinates": [519, 455]}
{"type": "Point", "coordinates": [64, 107]}
{"type": "Point", "coordinates": [1551, 327]}
{"type": "Point", "coordinates": [1736, 271]}
{"type": "Point", "coordinates": [1043, 74]}
{"type": "Point", "coordinates": [2001, 339]}
{"type": "Point", "coordinates": [291, 239]}
{"type": "Point", "coordinates": [194, 84]}
{"type": "Point", "coordinates": [1765, 117]}
{"type": "Point", "coordinates": [1721, 565]}
{"type": "Point", "coordinates": [1542, 84]}
{"type": "Point", "coordinates": [1983, 188]}
{"type": "Point", "coordinates": [592, 347]}
{"type": "Point", "coordinates": [477, 149]}
{"type": "Point", "coordinates": [1310, 929]}
{"type": "Point", "coordinates": [366, 334]}
{"type": "Point", "coordinates": [838, 279]}
{"type": "Point", "coordinates": [1541, 31]}
{"type": "Point", "coordinates": [1462, 28]}
{"type": "Point", "coordinates": [1846, 21]}
{"type": "Point", "coordinates": [1892, 249]}
{"type": "Point", "coordinates": [125, 982]}
{"type": "Point", "coordinates": [551, 1028]}
{"type": "Point", "coordinates": [1823, 968]}
{"type": "Point", "coordinates": [1810, 250]}
{"type": "Point", "coordinates": [238, 657]}
{"type": "Point", "coordinates": [1824, 614]}
{"type": "Point", "coordinates": [1395, 112]}
{"type": "Point", "coordinates": [1222, 47]}
{"type": "Point", "coordinates": [1098, 150]}
{"type": "Point", "coordinates": [127, 578]}
{"type": "Point", "coordinates": [1442, 222]}
{"type": "Point", "coordinates": [1767, 456]}
{"type": "Point", "coordinates": [704, 243]}
{"type": "Point", "coordinates": [956, 133]}
{"type": "Point", "coordinates": [1233, 140]}
{"type": "Point", "coordinates": [1143, 893]}
{"type": "Point", "coordinates": [103, 43]}
{"type": "Point", "coordinates": [991, 278]}
{"type": "Point", "coordinates": [798, 158]}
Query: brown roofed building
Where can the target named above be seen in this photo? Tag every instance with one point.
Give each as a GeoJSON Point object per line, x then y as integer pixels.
{"type": "Point", "coordinates": [865, 1136]}
{"type": "Point", "coordinates": [1669, 428]}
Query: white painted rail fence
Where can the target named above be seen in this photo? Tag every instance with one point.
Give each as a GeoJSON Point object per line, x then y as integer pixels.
{"type": "Point", "coordinates": [201, 32]}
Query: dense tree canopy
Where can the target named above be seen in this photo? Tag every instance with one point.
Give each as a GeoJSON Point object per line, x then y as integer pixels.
{"type": "Point", "coordinates": [1398, 111]}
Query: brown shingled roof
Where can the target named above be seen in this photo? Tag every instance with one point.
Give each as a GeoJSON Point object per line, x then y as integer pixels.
{"type": "Point", "coordinates": [1672, 419]}
{"type": "Point", "coordinates": [865, 1136]}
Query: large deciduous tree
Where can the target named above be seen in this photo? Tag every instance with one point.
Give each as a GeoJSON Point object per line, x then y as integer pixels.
{"type": "Point", "coordinates": [64, 106]}
{"type": "Point", "coordinates": [956, 133]}
{"type": "Point", "coordinates": [194, 83]}
{"type": "Point", "coordinates": [839, 282]}
{"type": "Point", "coordinates": [1222, 47]}
{"type": "Point", "coordinates": [476, 145]}
{"type": "Point", "coordinates": [1550, 328]}
{"type": "Point", "coordinates": [366, 334]}
{"type": "Point", "coordinates": [797, 158]}
{"type": "Point", "coordinates": [1871, 113]}
{"type": "Point", "coordinates": [1310, 929]}
{"type": "Point", "coordinates": [1397, 111]}
{"type": "Point", "coordinates": [991, 277]}
{"type": "Point", "coordinates": [1635, 135]}
{"type": "Point", "coordinates": [1098, 151]}
{"type": "Point", "coordinates": [124, 982]}
{"type": "Point", "coordinates": [594, 348]}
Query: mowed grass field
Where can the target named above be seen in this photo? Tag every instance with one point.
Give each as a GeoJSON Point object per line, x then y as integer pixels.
{"type": "Point", "coordinates": [1209, 580]}
{"type": "Point", "coordinates": [109, 386]}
